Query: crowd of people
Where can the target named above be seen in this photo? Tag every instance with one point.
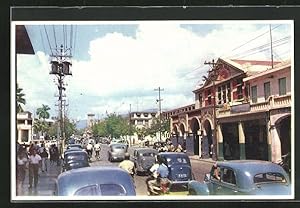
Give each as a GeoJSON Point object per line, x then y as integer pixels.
{"type": "Point", "coordinates": [33, 158]}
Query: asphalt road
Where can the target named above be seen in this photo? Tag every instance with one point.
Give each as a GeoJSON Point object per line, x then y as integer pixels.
{"type": "Point", "coordinates": [199, 168]}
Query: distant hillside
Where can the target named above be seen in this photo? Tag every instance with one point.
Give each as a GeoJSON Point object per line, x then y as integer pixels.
{"type": "Point", "coordinates": [81, 124]}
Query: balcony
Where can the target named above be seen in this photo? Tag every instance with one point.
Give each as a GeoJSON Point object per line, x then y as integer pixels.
{"type": "Point", "coordinates": [271, 103]}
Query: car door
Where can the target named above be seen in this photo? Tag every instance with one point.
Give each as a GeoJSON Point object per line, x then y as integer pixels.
{"type": "Point", "coordinates": [214, 183]}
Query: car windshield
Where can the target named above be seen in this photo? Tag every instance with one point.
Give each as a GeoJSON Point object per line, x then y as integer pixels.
{"type": "Point", "coordinates": [118, 147]}
{"type": "Point", "coordinates": [148, 154]}
{"type": "Point", "coordinates": [269, 178]}
{"type": "Point", "coordinates": [75, 157]}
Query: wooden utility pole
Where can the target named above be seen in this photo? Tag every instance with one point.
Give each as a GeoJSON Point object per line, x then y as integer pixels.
{"type": "Point", "coordinates": [159, 107]}
{"type": "Point", "coordinates": [214, 78]}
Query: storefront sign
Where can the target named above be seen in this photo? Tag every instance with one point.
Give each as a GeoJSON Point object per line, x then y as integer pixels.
{"type": "Point", "coordinates": [240, 108]}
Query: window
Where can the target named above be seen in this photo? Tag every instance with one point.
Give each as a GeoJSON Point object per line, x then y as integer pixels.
{"type": "Point", "coordinates": [269, 177]}
{"type": "Point", "coordinates": [254, 94]}
{"type": "Point", "coordinates": [200, 99]}
{"type": "Point", "coordinates": [282, 86]}
{"type": "Point", "coordinates": [209, 97]}
{"type": "Point", "coordinates": [112, 190]}
{"type": "Point", "coordinates": [239, 89]}
{"type": "Point", "coordinates": [219, 95]}
{"type": "Point", "coordinates": [228, 92]}
{"type": "Point", "coordinates": [228, 176]}
{"type": "Point", "coordinates": [267, 90]}
{"type": "Point", "coordinates": [91, 190]}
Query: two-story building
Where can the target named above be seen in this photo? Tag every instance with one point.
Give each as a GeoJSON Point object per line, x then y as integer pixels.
{"type": "Point", "coordinates": [246, 104]}
{"type": "Point", "coordinates": [24, 127]}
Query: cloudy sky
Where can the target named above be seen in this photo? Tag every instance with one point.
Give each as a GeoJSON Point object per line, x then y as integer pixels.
{"type": "Point", "coordinates": [116, 65]}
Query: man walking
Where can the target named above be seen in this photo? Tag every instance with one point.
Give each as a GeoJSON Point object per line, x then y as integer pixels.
{"type": "Point", "coordinates": [44, 155]}
{"type": "Point", "coordinates": [127, 164]}
{"type": "Point", "coordinates": [34, 164]}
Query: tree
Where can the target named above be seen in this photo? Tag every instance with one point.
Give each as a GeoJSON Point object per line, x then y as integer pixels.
{"type": "Point", "coordinates": [40, 127]}
{"type": "Point", "coordinates": [20, 99]}
{"type": "Point", "coordinates": [43, 112]}
{"type": "Point", "coordinates": [156, 126]}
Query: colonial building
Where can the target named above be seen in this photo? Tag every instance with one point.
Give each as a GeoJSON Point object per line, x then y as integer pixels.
{"type": "Point", "coordinates": [24, 127]}
{"type": "Point", "coordinates": [242, 111]}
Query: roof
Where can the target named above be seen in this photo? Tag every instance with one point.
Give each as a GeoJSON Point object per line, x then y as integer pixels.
{"type": "Point", "coordinates": [146, 150]}
{"type": "Point", "coordinates": [68, 182]}
{"type": "Point", "coordinates": [23, 43]}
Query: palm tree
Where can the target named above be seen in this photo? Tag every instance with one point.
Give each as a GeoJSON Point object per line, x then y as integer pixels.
{"type": "Point", "coordinates": [20, 99]}
{"type": "Point", "coordinates": [43, 112]}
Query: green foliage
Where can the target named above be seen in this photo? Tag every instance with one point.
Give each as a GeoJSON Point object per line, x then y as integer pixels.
{"type": "Point", "coordinates": [43, 112]}
{"type": "Point", "coordinates": [20, 99]}
{"type": "Point", "coordinates": [113, 126]}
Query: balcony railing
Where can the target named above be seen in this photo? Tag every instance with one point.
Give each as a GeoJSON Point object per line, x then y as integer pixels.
{"type": "Point", "coordinates": [271, 103]}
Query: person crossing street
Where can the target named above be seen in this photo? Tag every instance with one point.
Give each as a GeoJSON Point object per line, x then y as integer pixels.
{"type": "Point", "coordinates": [34, 165]}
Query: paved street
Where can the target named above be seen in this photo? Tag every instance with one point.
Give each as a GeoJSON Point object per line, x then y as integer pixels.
{"type": "Point", "coordinates": [46, 184]}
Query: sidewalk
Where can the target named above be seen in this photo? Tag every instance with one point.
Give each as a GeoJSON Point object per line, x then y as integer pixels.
{"type": "Point", "coordinates": [46, 184]}
{"type": "Point", "coordinates": [197, 157]}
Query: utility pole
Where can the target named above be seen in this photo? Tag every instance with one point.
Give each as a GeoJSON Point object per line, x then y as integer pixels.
{"type": "Point", "coordinates": [60, 67]}
{"type": "Point", "coordinates": [215, 142]}
{"type": "Point", "coordinates": [271, 46]}
{"type": "Point", "coordinates": [159, 107]}
{"type": "Point", "coordinates": [130, 126]}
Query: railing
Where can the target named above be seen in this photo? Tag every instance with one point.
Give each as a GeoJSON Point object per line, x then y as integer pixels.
{"type": "Point", "coordinates": [272, 102]}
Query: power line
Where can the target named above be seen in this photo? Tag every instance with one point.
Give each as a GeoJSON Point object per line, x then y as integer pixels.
{"type": "Point", "coordinates": [42, 40]}
{"type": "Point", "coordinates": [48, 40]}
{"type": "Point", "coordinates": [54, 36]}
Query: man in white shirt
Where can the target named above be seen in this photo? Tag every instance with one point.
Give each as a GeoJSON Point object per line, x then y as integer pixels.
{"type": "Point", "coordinates": [152, 180]}
{"type": "Point", "coordinates": [34, 165]}
{"type": "Point", "coordinates": [97, 150]}
{"type": "Point", "coordinates": [89, 149]}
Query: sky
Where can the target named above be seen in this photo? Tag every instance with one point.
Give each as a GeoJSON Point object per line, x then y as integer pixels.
{"type": "Point", "coordinates": [116, 66]}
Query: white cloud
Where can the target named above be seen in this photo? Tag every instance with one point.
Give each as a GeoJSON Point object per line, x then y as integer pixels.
{"type": "Point", "coordinates": [124, 69]}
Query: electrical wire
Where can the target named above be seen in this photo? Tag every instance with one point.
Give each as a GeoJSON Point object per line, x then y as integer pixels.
{"type": "Point", "coordinates": [48, 40]}
{"type": "Point", "coordinates": [54, 36]}
{"type": "Point", "coordinates": [43, 43]}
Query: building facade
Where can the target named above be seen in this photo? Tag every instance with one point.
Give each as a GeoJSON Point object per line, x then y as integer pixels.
{"type": "Point", "coordinates": [24, 127]}
{"type": "Point", "coordinates": [242, 111]}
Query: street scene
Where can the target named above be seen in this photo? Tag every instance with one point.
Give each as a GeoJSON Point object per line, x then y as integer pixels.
{"type": "Point", "coordinates": [153, 109]}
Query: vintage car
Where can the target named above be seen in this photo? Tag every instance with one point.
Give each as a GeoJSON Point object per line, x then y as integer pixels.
{"type": "Point", "coordinates": [180, 170]}
{"type": "Point", "coordinates": [95, 181]}
{"type": "Point", "coordinates": [75, 159]}
{"type": "Point", "coordinates": [243, 177]}
{"type": "Point", "coordinates": [117, 152]}
{"type": "Point", "coordinates": [143, 159]}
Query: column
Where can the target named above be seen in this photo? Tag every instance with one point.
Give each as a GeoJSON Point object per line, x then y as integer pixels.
{"type": "Point", "coordinates": [205, 145]}
{"type": "Point", "coordinates": [199, 143]}
{"type": "Point", "coordinates": [241, 141]}
{"type": "Point", "coordinates": [275, 144]}
{"type": "Point", "coordinates": [220, 142]}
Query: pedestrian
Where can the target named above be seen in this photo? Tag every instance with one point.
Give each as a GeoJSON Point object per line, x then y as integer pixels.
{"type": "Point", "coordinates": [151, 181]}
{"type": "Point", "coordinates": [34, 165]}
{"type": "Point", "coordinates": [127, 164]}
{"type": "Point", "coordinates": [31, 148]}
{"type": "Point", "coordinates": [97, 150]}
{"type": "Point", "coordinates": [179, 148]}
{"type": "Point", "coordinates": [44, 155]}
{"type": "Point", "coordinates": [22, 160]}
{"type": "Point", "coordinates": [89, 149]}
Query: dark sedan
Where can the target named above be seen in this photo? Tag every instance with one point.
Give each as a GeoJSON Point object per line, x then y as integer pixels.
{"type": "Point", "coordinates": [243, 177]}
{"type": "Point", "coordinates": [95, 181]}
{"type": "Point", "coordinates": [75, 159]}
{"type": "Point", "coordinates": [180, 170]}
{"type": "Point", "coordinates": [144, 158]}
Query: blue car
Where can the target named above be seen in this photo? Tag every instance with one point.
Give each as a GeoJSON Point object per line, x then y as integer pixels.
{"type": "Point", "coordinates": [243, 177]}
{"type": "Point", "coordinates": [180, 170]}
{"type": "Point", "coordinates": [95, 181]}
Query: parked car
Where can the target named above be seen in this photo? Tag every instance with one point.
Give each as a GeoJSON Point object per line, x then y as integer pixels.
{"type": "Point", "coordinates": [180, 170]}
{"type": "Point", "coordinates": [243, 177]}
{"type": "Point", "coordinates": [75, 159]}
{"type": "Point", "coordinates": [117, 152]}
{"type": "Point", "coordinates": [143, 159]}
{"type": "Point", "coordinates": [95, 181]}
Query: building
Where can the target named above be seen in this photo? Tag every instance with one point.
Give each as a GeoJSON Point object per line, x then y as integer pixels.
{"type": "Point", "coordinates": [90, 120]}
{"type": "Point", "coordinates": [242, 111]}
{"type": "Point", "coordinates": [24, 127]}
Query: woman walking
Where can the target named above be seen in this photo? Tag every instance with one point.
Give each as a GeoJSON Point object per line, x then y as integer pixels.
{"type": "Point", "coordinates": [21, 170]}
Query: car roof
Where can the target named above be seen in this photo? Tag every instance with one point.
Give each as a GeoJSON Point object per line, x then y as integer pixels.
{"type": "Point", "coordinates": [75, 152]}
{"type": "Point", "coordinates": [172, 154]}
{"type": "Point", "coordinates": [70, 181]}
{"type": "Point", "coordinates": [247, 169]}
{"type": "Point", "coordinates": [146, 150]}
